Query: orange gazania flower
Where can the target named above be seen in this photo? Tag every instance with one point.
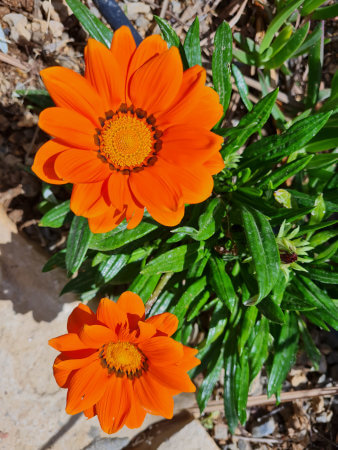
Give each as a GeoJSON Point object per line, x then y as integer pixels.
{"type": "Point", "coordinates": [133, 133]}
{"type": "Point", "coordinates": [119, 366]}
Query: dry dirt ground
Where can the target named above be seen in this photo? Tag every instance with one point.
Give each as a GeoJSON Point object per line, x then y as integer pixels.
{"type": "Point", "coordinates": [38, 34]}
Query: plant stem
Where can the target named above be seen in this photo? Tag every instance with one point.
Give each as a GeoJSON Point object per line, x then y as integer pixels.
{"type": "Point", "coordinates": [160, 286]}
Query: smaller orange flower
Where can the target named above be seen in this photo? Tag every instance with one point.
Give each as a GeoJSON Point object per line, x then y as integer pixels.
{"type": "Point", "coordinates": [119, 366]}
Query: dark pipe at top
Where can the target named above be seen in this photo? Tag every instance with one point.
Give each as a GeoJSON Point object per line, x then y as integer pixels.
{"type": "Point", "coordinates": [116, 17]}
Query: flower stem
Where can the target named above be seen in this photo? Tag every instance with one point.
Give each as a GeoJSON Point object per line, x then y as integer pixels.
{"type": "Point", "coordinates": [160, 286]}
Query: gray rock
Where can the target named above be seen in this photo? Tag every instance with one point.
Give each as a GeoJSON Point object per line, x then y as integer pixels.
{"type": "Point", "coordinates": [192, 436]}
{"type": "Point", "coordinates": [107, 444]}
{"type": "Point", "coordinates": [264, 429]}
{"type": "Point", "coordinates": [221, 432]}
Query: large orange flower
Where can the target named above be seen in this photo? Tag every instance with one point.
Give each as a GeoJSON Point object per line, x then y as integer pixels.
{"type": "Point", "coordinates": [133, 133]}
{"type": "Point", "coordinates": [120, 366]}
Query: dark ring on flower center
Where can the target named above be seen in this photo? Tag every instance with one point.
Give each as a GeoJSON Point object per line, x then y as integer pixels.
{"type": "Point", "coordinates": [121, 372]}
{"type": "Point", "coordinates": [134, 120]}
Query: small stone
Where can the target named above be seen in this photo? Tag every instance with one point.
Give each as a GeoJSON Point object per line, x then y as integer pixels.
{"type": "Point", "coordinates": [19, 26]}
{"type": "Point", "coordinates": [243, 445]}
{"type": "Point", "coordinates": [264, 428]}
{"type": "Point", "coordinates": [192, 436]}
{"type": "Point", "coordinates": [134, 9]}
{"type": "Point", "coordinates": [221, 432]}
{"type": "Point", "coordinates": [322, 365]}
{"type": "Point", "coordinates": [49, 10]}
{"type": "Point", "coordinates": [56, 28]}
{"type": "Point", "coordinates": [298, 377]}
{"type": "Point", "coordinates": [325, 417]}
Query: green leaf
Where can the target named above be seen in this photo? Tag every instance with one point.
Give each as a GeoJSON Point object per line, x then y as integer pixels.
{"type": "Point", "coordinates": [322, 237]}
{"type": "Point", "coordinates": [197, 305]}
{"type": "Point", "coordinates": [205, 390]}
{"type": "Point", "coordinates": [242, 87]}
{"type": "Point", "coordinates": [190, 293]}
{"type": "Point", "coordinates": [57, 260]}
{"type": "Point", "coordinates": [277, 22]}
{"type": "Point", "coordinates": [277, 177]}
{"type": "Point", "coordinates": [38, 97]}
{"type": "Point", "coordinates": [170, 36]}
{"type": "Point", "coordinates": [56, 216]}
{"type": "Point", "coordinates": [221, 61]}
{"type": "Point", "coordinates": [221, 282]}
{"type": "Point", "coordinates": [324, 276]}
{"type": "Point", "coordinates": [210, 220]}
{"type": "Point", "coordinates": [316, 55]}
{"type": "Point", "coordinates": [315, 296]}
{"type": "Point", "coordinates": [121, 236]}
{"type": "Point", "coordinates": [242, 386]}
{"type": "Point", "coordinates": [309, 346]}
{"type": "Point", "coordinates": [230, 400]}
{"type": "Point", "coordinates": [316, 318]}
{"type": "Point", "coordinates": [281, 40]}
{"type": "Point", "coordinates": [259, 348]}
{"type": "Point", "coordinates": [289, 48]}
{"type": "Point", "coordinates": [263, 249]}
{"type": "Point", "coordinates": [91, 23]}
{"type": "Point", "coordinates": [319, 210]}
{"type": "Point", "coordinates": [192, 46]}
{"type": "Point", "coordinates": [286, 346]}
{"type": "Point", "coordinates": [310, 41]}
{"type": "Point", "coordinates": [320, 226]}
{"type": "Point", "coordinates": [274, 148]}
{"type": "Point", "coordinates": [108, 269]}
{"type": "Point", "coordinates": [251, 123]}
{"type": "Point", "coordinates": [85, 281]}
{"type": "Point", "coordinates": [271, 310]}
{"type": "Point", "coordinates": [77, 243]}
{"type": "Point", "coordinates": [174, 260]}
{"type": "Point", "coordinates": [327, 12]}
{"type": "Point", "coordinates": [217, 323]}
{"type": "Point", "coordinates": [310, 5]}
{"type": "Point", "coordinates": [309, 201]}
{"type": "Point", "coordinates": [327, 253]}
{"type": "Point", "coordinates": [248, 322]}
{"type": "Point", "coordinates": [144, 285]}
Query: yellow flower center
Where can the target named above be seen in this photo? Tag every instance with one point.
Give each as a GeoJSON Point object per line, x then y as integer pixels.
{"type": "Point", "coordinates": [123, 358]}
{"type": "Point", "coordinates": [128, 139]}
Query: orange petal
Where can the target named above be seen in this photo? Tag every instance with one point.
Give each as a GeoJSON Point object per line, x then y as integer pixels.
{"type": "Point", "coordinates": [122, 48]}
{"type": "Point", "coordinates": [153, 187]}
{"type": "Point", "coordinates": [209, 110]}
{"type": "Point", "coordinates": [173, 377]}
{"type": "Point", "coordinates": [147, 331]}
{"type": "Point", "coordinates": [189, 361]}
{"type": "Point", "coordinates": [44, 161]}
{"type": "Point", "coordinates": [69, 364]}
{"type": "Point", "coordinates": [80, 316]}
{"type": "Point", "coordinates": [67, 342]}
{"type": "Point", "coordinates": [90, 412]}
{"type": "Point", "coordinates": [114, 406]}
{"type": "Point", "coordinates": [104, 74]}
{"type": "Point", "coordinates": [107, 221]}
{"type": "Point", "coordinates": [134, 215]}
{"type": "Point", "coordinates": [70, 127]}
{"type": "Point", "coordinates": [188, 145]}
{"type": "Point", "coordinates": [153, 396]}
{"type": "Point", "coordinates": [94, 336]}
{"type": "Point", "coordinates": [86, 387]}
{"type": "Point", "coordinates": [165, 322]}
{"type": "Point", "coordinates": [77, 166]}
{"type": "Point", "coordinates": [166, 217]}
{"type": "Point", "coordinates": [110, 313]}
{"type": "Point", "coordinates": [117, 186]}
{"type": "Point", "coordinates": [154, 86]}
{"type": "Point", "coordinates": [70, 90]}
{"type": "Point", "coordinates": [61, 376]}
{"type": "Point", "coordinates": [196, 185]}
{"type": "Point", "coordinates": [215, 164]}
{"type": "Point", "coordinates": [150, 46]}
{"type": "Point", "coordinates": [162, 350]}
{"type": "Point", "coordinates": [87, 200]}
{"type": "Point", "coordinates": [136, 414]}
{"type": "Point", "coordinates": [187, 98]}
{"type": "Point", "coordinates": [131, 303]}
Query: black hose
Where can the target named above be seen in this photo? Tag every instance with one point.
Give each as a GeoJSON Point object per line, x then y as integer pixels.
{"type": "Point", "coordinates": [116, 17]}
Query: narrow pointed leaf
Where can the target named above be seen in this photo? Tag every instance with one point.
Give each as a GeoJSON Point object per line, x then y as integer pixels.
{"type": "Point", "coordinates": [192, 46]}
{"type": "Point", "coordinates": [77, 243]}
